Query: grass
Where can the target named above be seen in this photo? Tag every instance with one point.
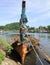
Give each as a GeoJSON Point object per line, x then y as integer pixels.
{"type": "Point", "coordinates": [1, 58]}
{"type": "Point", "coordinates": [8, 47]}
{"type": "Point", "coordinates": [3, 41]}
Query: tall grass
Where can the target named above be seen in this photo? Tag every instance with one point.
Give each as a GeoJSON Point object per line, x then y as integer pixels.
{"type": "Point", "coordinates": [1, 58]}
{"type": "Point", "coordinates": [4, 42]}
{"type": "Point", "coordinates": [8, 47]}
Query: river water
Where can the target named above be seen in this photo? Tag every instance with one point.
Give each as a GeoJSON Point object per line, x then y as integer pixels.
{"type": "Point", "coordinates": [44, 39]}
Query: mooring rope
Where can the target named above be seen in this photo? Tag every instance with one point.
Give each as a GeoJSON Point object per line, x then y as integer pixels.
{"type": "Point", "coordinates": [36, 53]}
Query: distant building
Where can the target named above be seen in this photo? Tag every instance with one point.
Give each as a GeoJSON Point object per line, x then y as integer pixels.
{"type": "Point", "coordinates": [1, 31]}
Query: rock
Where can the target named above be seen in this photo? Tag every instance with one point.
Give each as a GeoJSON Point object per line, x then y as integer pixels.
{"type": "Point", "coordinates": [8, 61]}
{"type": "Point", "coordinates": [3, 52]}
{"type": "Point", "coordinates": [2, 47]}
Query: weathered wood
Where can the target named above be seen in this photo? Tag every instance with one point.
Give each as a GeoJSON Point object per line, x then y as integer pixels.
{"type": "Point", "coordinates": [23, 48]}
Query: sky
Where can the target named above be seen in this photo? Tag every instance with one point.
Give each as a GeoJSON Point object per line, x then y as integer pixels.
{"type": "Point", "coordinates": [37, 12]}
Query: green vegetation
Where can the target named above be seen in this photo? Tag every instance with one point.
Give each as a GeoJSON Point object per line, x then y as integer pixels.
{"type": "Point", "coordinates": [16, 26]}
{"type": "Point", "coordinates": [11, 26]}
{"type": "Point", "coordinates": [9, 47]}
{"type": "Point", "coordinates": [39, 29]}
{"type": "Point", "coordinates": [49, 28]}
{"type": "Point", "coordinates": [1, 58]}
{"type": "Point", "coordinates": [5, 44]}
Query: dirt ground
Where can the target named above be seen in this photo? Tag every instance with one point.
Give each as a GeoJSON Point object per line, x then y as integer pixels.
{"type": "Point", "coordinates": [8, 61]}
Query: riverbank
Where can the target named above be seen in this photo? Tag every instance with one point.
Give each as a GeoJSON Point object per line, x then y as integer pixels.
{"type": "Point", "coordinates": [44, 41]}
{"type": "Point", "coordinates": [4, 42]}
{"type": "Point", "coordinates": [4, 59]}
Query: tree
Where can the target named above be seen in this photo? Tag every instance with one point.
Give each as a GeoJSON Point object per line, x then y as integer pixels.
{"type": "Point", "coordinates": [48, 27]}
{"type": "Point", "coordinates": [11, 26]}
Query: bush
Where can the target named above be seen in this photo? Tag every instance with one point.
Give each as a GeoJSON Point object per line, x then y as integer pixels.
{"type": "Point", "coordinates": [5, 44]}
{"type": "Point", "coordinates": [9, 47]}
{"type": "Point", "coordinates": [1, 58]}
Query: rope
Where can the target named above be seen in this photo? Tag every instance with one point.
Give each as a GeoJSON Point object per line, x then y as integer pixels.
{"type": "Point", "coordinates": [36, 54]}
{"type": "Point", "coordinates": [45, 53]}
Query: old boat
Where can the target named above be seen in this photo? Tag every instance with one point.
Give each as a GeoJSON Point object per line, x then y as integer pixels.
{"type": "Point", "coordinates": [22, 45]}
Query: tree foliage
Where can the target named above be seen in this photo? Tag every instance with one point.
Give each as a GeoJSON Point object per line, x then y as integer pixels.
{"type": "Point", "coordinates": [48, 27]}
{"type": "Point", "coordinates": [2, 56]}
{"type": "Point", "coordinates": [16, 26]}
{"type": "Point", "coordinates": [12, 26]}
{"type": "Point", "coordinates": [4, 43]}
